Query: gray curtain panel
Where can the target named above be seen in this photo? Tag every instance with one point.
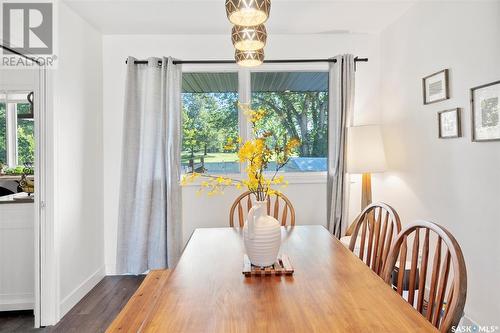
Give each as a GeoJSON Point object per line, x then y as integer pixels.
{"type": "Point", "coordinates": [150, 221]}
{"type": "Point", "coordinates": [341, 104]}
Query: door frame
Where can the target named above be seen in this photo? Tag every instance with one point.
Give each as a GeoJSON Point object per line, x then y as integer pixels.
{"type": "Point", "coordinates": [46, 264]}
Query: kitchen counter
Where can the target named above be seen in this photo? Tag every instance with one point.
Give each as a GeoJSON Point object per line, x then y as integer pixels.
{"type": "Point", "coordinates": [16, 198]}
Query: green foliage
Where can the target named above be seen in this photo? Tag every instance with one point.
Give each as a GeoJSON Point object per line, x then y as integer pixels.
{"type": "Point", "coordinates": [25, 136]}
{"type": "Point", "coordinates": [208, 118]}
{"type": "Point", "coordinates": [300, 114]}
{"type": "Point", "coordinates": [23, 108]}
{"type": "Point", "coordinates": [25, 141]}
{"type": "Point", "coordinates": [19, 170]}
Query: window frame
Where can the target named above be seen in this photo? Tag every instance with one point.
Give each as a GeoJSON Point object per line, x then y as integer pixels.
{"type": "Point", "coordinates": [244, 96]}
{"type": "Point", "coordinates": [11, 123]}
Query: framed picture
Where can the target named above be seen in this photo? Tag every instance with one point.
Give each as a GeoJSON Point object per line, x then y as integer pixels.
{"type": "Point", "coordinates": [435, 87]}
{"type": "Point", "coordinates": [449, 124]}
{"type": "Point", "coordinates": [485, 106]}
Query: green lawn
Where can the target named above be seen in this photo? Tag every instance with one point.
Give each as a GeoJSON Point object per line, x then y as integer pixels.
{"type": "Point", "coordinates": [211, 157]}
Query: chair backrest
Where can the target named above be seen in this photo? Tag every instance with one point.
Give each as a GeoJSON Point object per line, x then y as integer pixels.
{"type": "Point", "coordinates": [374, 230]}
{"type": "Point", "coordinates": [283, 211]}
{"type": "Point", "coordinates": [444, 304]}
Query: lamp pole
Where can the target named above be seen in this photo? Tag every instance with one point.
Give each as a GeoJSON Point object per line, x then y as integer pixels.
{"type": "Point", "coordinates": [366, 190]}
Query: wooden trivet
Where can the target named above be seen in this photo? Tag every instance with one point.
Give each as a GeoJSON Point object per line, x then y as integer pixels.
{"type": "Point", "coordinates": [282, 266]}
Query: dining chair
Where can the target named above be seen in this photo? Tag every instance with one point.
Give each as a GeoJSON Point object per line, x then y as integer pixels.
{"type": "Point", "coordinates": [379, 225]}
{"type": "Point", "coordinates": [279, 203]}
{"type": "Point", "coordinates": [442, 298]}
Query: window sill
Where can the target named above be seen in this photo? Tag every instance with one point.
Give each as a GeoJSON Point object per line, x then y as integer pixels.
{"type": "Point", "coordinates": [16, 177]}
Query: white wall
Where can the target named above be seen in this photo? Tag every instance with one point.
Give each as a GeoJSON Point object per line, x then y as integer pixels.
{"type": "Point", "coordinates": [17, 79]}
{"type": "Point", "coordinates": [453, 182]}
{"type": "Point", "coordinates": [77, 170]}
{"type": "Point", "coordinates": [309, 199]}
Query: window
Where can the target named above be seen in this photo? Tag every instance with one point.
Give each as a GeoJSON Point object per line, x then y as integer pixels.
{"type": "Point", "coordinates": [209, 117]}
{"type": "Point", "coordinates": [296, 103]}
{"type": "Point", "coordinates": [17, 137]}
{"type": "Point", "coordinates": [297, 106]}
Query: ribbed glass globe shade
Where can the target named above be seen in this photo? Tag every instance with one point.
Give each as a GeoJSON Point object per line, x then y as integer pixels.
{"type": "Point", "coordinates": [248, 13]}
{"type": "Point", "coordinates": [249, 38]}
{"type": "Point", "coordinates": [249, 58]}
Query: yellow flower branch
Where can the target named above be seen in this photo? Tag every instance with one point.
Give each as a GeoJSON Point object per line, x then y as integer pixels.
{"type": "Point", "coordinates": [256, 154]}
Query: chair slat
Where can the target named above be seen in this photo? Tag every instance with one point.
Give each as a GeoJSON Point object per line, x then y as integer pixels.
{"type": "Point", "coordinates": [376, 242]}
{"type": "Point", "coordinates": [402, 267]}
{"type": "Point", "coordinates": [363, 234]}
{"type": "Point", "coordinates": [389, 241]}
{"type": "Point", "coordinates": [371, 232]}
{"type": "Point", "coordinates": [284, 216]}
{"type": "Point", "coordinates": [240, 215]}
{"type": "Point", "coordinates": [423, 272]}
{"type": "Point", "coordinates": [442, 289]}
{"type": "Point", "coordinates": [434, 279]}
{"type": "Point", "coordinates": [249, 203]}
{"type": "Point", "coordinates": [448, 303]}
{"type": "Point", "coordinates": [276, 207]}
{"type": "Point", "coordinates": [269, 206]}
{"type": "Point", "coordinates": [413, 269]}
{"type": "Point", "coordinates": [384, 233]}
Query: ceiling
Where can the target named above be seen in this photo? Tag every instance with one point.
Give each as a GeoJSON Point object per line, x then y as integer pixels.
{"type": "Point", "coordinates": [209, 17]}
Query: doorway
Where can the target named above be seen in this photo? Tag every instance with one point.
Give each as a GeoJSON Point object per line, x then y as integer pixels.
{"type": "Point", "coordinates": [22, 188]}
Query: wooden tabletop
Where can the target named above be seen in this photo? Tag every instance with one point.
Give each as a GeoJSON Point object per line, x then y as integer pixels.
{"type": "Point", "coordinates": [330, 291]}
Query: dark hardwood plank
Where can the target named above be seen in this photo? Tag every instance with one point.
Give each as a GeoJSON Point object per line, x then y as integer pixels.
{"type": "Point", "coordinates": [17, 321]}
{"type": "Point", "coordinates": [92, 314]}
{"type": "Point", "coordinates": [95, 312]}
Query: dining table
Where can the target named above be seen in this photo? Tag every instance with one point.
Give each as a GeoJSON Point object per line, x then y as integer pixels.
{"type": "Point", "coordinates": [331, 290]}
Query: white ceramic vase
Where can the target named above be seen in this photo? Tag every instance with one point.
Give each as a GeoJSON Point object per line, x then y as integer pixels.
{"type": "Point", "coordinates": [261, 235]}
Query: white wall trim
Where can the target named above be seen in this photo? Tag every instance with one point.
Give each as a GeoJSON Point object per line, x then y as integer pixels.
{"type": "Point", "coordinates": [68, 302]}
{"type": "Point", "coordinates": [46, 255]}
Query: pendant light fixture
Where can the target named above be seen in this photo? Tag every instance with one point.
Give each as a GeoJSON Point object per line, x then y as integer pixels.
{"type": "Point", "coordinates": [249, 38]}
{"type": "Point", "coordinates": [249, 58]}
{"type": "Point", "coordinates": [248, 13]}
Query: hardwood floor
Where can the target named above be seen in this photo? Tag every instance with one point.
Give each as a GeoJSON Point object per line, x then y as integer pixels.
{"type": "Point", "coordinates": [17, 321]}
{"type": "Point", "coordinates": [92, 314]}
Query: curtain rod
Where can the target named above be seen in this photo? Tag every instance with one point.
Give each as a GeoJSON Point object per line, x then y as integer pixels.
{"type": "Point", "coordinates": [279, 61]}
{"type": "Point", "coordinates": [20, 54]}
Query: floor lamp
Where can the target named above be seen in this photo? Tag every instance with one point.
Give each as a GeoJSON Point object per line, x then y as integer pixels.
{"type": "Point", "coordinates": [365, 155]}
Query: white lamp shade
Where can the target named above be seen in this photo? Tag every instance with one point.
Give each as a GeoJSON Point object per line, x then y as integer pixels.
{"type": "Point", "coordinates": [365, 149]}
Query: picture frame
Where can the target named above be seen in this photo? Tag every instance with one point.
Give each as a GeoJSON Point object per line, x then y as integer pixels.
{"type": "Point", "coordinates": [449, 124]}
{"type": "Point", "coordinates": [435, 87]}
{"type": "Point", "coordinates": [485, 112]}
